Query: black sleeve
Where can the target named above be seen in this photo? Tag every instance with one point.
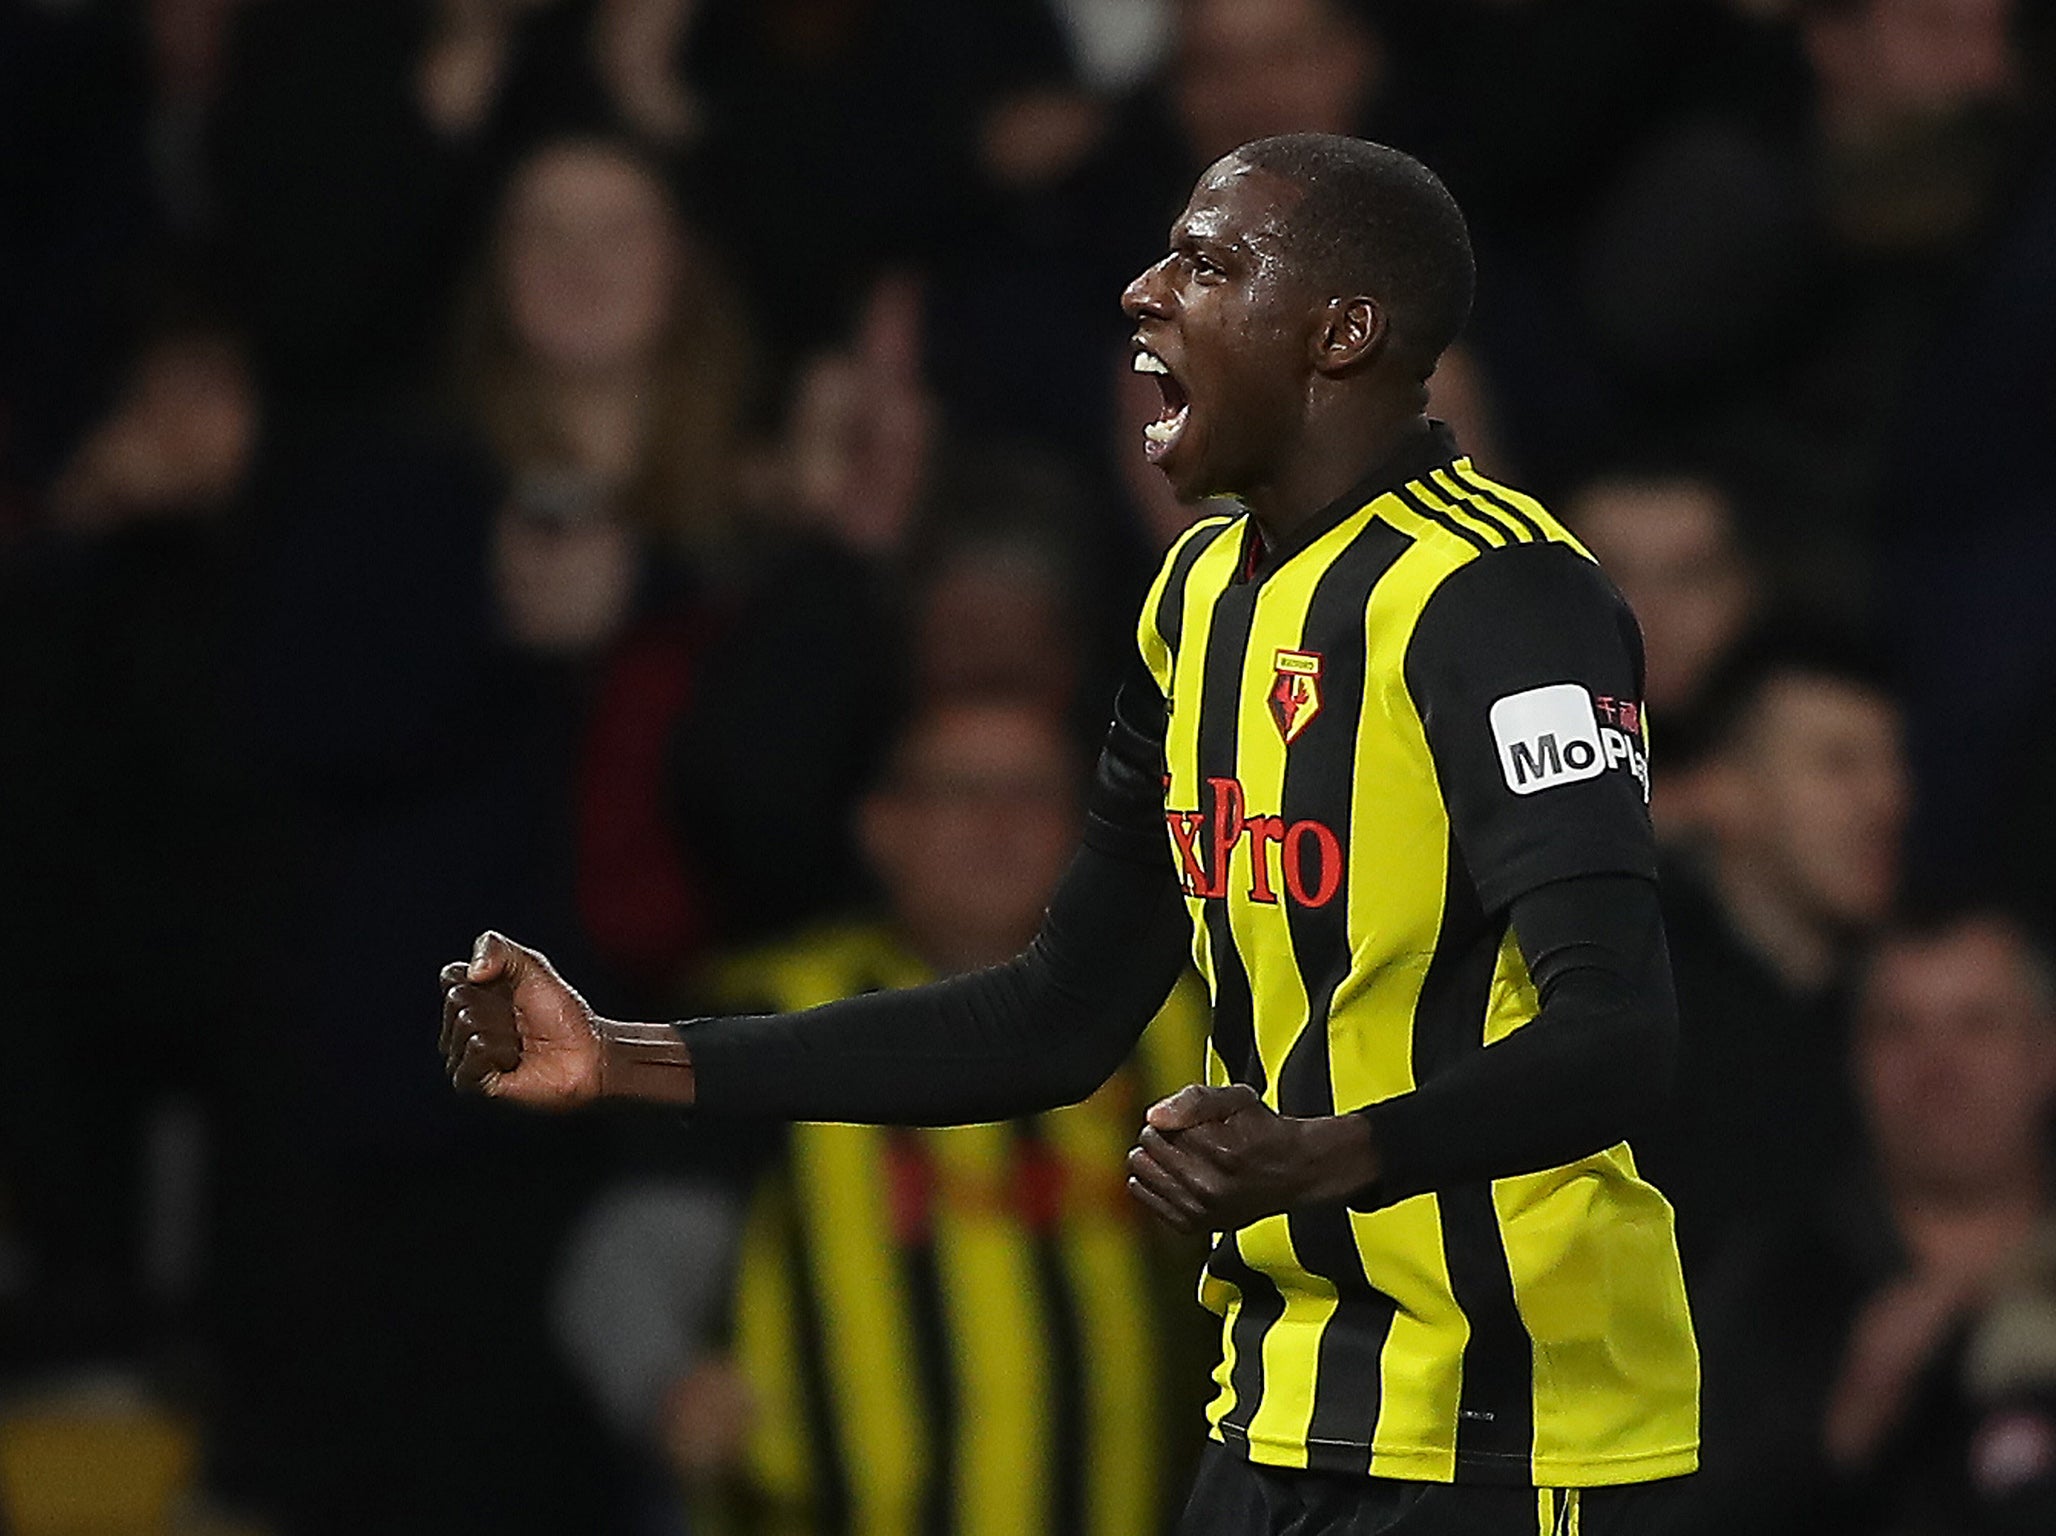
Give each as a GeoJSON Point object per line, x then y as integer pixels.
{"type": "Point", "coordinates": [1526, 667]}
{"type": "Point", "coordinates": [1043, 1030]}
{"type": "Point", "coordinates": [1590, 1069]}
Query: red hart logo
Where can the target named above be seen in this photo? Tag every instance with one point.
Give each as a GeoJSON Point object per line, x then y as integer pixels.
{"type": "Point", "coordinates": [1296, 692]}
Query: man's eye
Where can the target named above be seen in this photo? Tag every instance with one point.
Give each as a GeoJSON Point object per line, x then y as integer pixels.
{"type": "Point", "coordinates": [1202, 266]}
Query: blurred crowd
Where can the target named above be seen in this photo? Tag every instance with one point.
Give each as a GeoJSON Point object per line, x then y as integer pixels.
{"type": "Point", "coordinates": [661, 478]}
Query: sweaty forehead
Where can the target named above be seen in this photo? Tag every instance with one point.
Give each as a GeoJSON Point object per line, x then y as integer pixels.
{"type": "Point", "coordinates": [1236, 202]}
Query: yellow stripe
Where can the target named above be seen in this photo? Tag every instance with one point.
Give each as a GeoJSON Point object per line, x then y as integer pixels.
{"type": "Point", "coordinates": [867, 1333]}
{"type": "Point", "coordinates": [1416, 527]}
{"type": "Point", "coordinates": [1572, 1495]}
{"type": "Point", "coordinates": [1155, 647]}
{"type": "Point", "coordinates": [999, 1335]}
{"type": "Point", "coordinates": [1420, 1370]}
{"type": "Point", "coordinates": [1225, 1298]}
{"type": "Point", "coordinates": [1513, 1001]}
{"type": "Point", "coordinates": [1262, 933]}
{"type": "Point", "coordinates": [767, 1328]}
{"type": "Point", "coordinates": [1399, 839]}
{"type": "Point", "coordinates": [1545, 1512]}
{"type": "Point", "coordinates": [1109, 1277]}
{"type": "Point", "coordinates": [1290, 1346]}
{"type": "Point", "coordinates": [1175, 1049]}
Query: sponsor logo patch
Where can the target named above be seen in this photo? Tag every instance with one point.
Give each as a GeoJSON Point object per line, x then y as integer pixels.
{"type": "Point", "coordinates": [1554, 735]}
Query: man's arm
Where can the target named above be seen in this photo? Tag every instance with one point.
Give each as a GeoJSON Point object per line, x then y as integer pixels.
{"type": "Point", "coordinates": [1583, 1074]}
{"type": "Point", "coordinates": [1045, 1029]}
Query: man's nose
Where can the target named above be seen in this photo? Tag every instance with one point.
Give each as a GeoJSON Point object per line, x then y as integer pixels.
{"type": "Point", "coordinates": [1146, 298]}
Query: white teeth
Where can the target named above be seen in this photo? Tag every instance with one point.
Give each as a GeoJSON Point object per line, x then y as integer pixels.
{"type": "Point", "coordinates": [1149, 362]}
{"type": "Point", "coordinates": [1162, 434]}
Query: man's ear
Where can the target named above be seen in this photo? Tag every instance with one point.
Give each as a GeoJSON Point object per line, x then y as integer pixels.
{"type": "Point", "coordinates": [1350, 332]}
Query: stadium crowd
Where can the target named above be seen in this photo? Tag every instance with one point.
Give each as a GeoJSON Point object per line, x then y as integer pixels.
{"type": "Point", "coordinates": [698, 434]}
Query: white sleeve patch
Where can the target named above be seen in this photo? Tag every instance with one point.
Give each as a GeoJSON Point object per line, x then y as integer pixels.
{"type": "Point", "coordinates": [1546, 737]}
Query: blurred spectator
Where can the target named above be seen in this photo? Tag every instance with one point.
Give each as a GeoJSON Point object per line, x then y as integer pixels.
{"type": "Point", "coordinates": [861, 441]}
{"type": "Point", "coordinates": [1116, 42]}
{"type": "Point", "coordinates": [1671, 545]}
{"type": "Point", "coordinates": [1752, 274]}
{"type": "Point", "coordinates": [126, 808]}
{"type": "Point", "coordinates": [77, 203]}
{"type": "Point", "coordinates": [929, 1327]}
{"type": "Point", "coordinates": [1461, 394]}
{"type": "Point", "coordinates": [802, 670]}
{"type": "Point", "coordinates": [1247, 70]}
{"type": "Point", "coordinates": [1019, 588]}
{"type": "Point", "coordinates": [1528, 108]}
{"type": "Point", "coordinates": [604, 362]}
{"type": "Point", "coordinates": [445, 640]}
{"type": "Point", "coordinates": [1236, 69]}
{"type": "Point", "coordinates": [2010, 1378]}
{"type": "Point", "coordinates": [1531, 111]}
{"type": "Point", "coordinates": [850, 126]}
{"type": "Point", "coordinates": [103, 110]}
{"type": "Point", "coordinates": [581, 65]}
{"type": "Point", "coordinates": [1834, 1336]}
{"type": "Point", "coordinates": [1971, 503]}
{"type": "Point", "coordinates": [606, 368]}
{"type": "Point", "coordinates": [1803, 795]}
{"type": "Point", "coordinates": [351, 160]}
{"type": "Point", "coordinates": [997, 615]}
{"type": "Point", "coordinates": [179, 443]}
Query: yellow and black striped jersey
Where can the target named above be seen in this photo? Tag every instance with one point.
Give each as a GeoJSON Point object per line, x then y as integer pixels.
{"type": "Point", "coordinates": [964, 1329]}
{"type": "Point", "coordinates": [1379, 735]}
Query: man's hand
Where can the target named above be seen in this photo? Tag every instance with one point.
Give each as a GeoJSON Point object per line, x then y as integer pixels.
{"type": "Point", "coordinates": [706, 1419]}
{"type": "Point", "coordinates": [1216, 1159]}
{"type": "Point", "coordinates": [1892, 1342]}
{"type": "Point", "coordinates": [513, 1029]}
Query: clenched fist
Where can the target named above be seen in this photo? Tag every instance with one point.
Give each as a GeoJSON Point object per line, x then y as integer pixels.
{"type": "Point", "coordinates": [514, 1029]}
{"type": "Point", "coordinates": [1217, 1159]}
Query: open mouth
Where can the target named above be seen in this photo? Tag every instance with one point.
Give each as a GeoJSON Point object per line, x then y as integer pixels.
{"type": "Point", "coordinates": [1159, 435]}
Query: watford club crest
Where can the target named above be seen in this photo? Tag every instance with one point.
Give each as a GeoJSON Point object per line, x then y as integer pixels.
{"type": "Point", "coordinates": [1296, 692]}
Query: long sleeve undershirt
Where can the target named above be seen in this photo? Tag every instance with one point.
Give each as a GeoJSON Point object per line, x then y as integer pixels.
{"type": "Point", "coordinates": [1049, 1027]}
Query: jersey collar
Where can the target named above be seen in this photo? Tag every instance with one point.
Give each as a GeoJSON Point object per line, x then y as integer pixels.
{"type": "Point", "coordinates": [1431, 447]}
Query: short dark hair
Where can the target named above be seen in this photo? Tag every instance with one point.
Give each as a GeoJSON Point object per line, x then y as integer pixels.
{"type": "Point", "coordinates": [1377, 221]}
{"type": "Point", "coordinates": [1787, 646]}
{"type": "Point", "coordinates": [1930, 916]}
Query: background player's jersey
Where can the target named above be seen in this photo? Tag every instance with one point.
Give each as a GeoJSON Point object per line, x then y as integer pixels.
{"type": "Point", "coordinates": [956, 1330]}
{"type": "Point", "coordinates": [1379, 735]}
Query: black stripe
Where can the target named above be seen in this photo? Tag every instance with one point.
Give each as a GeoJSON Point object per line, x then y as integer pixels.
{"type": "Point", "coordinates": [828, 1453]}
{"type": "Point", "coordinates": [1441, 519]}
{"type": "Point", "coordinates": [1262, 1305]}
{"type": "Point", "coordinates": [1495, 1427]}
{"type": "Point", "coordinates": [1489, 516]}
{"type": "Point", "coordinates": [1219, 744]}
{"type": "Point", "coordinates": [1069, 1408]}
{"type": "Point", "coordinates": [1319, 783]}
{"type": "Point", "coordinates": [1511, 508]}
{"type": "Point", "coordinates": [934, 1355]}
{"type": "Point", "coordinates": [1170, 614]}
{"type": "Point", "coordinates": [1234, 1031]}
